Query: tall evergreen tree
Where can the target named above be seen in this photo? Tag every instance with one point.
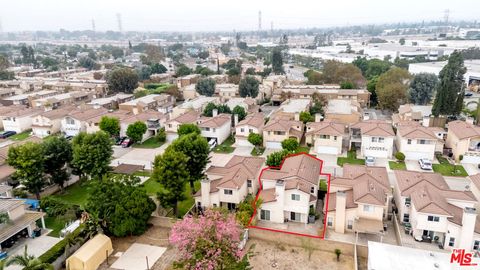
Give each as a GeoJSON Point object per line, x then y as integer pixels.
{"type": "Point", "coordinates": [450, 89]}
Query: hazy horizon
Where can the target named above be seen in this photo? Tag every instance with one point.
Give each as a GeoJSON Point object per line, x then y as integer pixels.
{"type": "Point", "coordinates": [215, 15]}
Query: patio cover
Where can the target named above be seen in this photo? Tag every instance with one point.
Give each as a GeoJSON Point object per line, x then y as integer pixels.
{"type": "Point", "coordinates": [91, 254]}
{"type": "Point", "coordinates": [371, 226]}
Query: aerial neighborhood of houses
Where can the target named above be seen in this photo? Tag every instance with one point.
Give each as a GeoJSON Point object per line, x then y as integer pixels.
{"type": "Point", "coordinates": [150, 151]}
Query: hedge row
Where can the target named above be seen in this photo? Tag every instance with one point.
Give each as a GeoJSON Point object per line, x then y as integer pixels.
{"type": "Point", "coordinates": [59, 248]}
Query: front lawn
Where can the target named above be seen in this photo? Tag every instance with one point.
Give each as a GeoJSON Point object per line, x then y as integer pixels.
{"type": "Point", "coordinates": [226, 146]}
{"type": "Point", "coordinates": [152, 187]}
{"type": "Point", "coordinates": [394, 165]}
{"type": "Point", "coordinates": [149, 143]}
{"type": "Point", "coordinates": [20, 136]}
{"type": "Point", "coordinates": [302, 149]}
{"type": "Point", "coordinates": [450, 170]}
{"type": "Point", "coordinates": [350, 159]}
{"type": "Point", "coordinates": [256, 153]}
{"type": "Point", "coordinates": [55, 224]}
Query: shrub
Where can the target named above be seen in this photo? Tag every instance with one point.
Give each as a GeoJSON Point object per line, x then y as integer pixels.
{"type": "Point", "coordinates": [400, 156]}
{"type": "Point", "coordinates": [59, 248]}
{"type": "Point", "coordinates": [290, 144]}
{"type": "Point", "coordinates": [53, 207]}
{"type": "Point", "coordinates": [275, 159]}
{"type": "Point", "coordinates": [161, 136]}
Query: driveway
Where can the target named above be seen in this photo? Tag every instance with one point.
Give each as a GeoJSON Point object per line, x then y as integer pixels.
{"type": "Point", "coordinates": [471, 168]}
{"type": "Point", "coordinates": [140, 156]}
{"type": "Point", "coordinates": [243, 150]}
{"type": "Point", "coordinates": [412, 165]}
{"type": "Point", "coordinates": [36, 246]}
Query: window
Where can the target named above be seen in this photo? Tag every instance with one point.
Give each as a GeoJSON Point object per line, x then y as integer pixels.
{"type": "Point", "coordinates": [381, 139]}
{"type": "Point", "coordinates": [207, 129]}
{"type": "Point", "coordinates": [406, 218]}
{"type": "Point", "coordinates": [242, 130]}
{"type": "Point", "coordinates": [312, 190]}
{"type": "Point", "coordinates": [433, 218]}
{"type": "Point", "coordinates": [295, 197]}
{"type": "Point", "coordinates": [350, 225]}
{"type": "Point", "coordinates": [249, 183]}
{"type": "Point", "coordinates": [294, 216]}
{"type": "Point", "coordinates": [227, 191]}
{"type": "Point", "coordinates": [409, 141]}
{"type": "Point", "coordinates": [265, 214]}
{"type": "Point", "coordinates": [330, 222]}
{"type": "Point", "coordinates": [279, 132]}
{"type": "Point", "coordinates": [367, 208]}
{"type": "Point", "coordinates": [250, 131]}
{"type": "Point", "coordinates": [334, 138]}
{"type": "Point", "coordinates": [214, 205]}
{"type": "Point", "coordinates": [169, 125]}
{"type": "Point", "coordinates": [374, 139]}
{"type": "Point", "coordinates": [70, 121]}
{"type": "Point", "coordinates": [324, 137]}
{"type": "Point", "coordinates": [407, 201]}
{"type": "Point", "coordinates": [451, 242]}
{"type": "Point", "coordinates": [214, 130]}
{"type": "Point", "coordinates": [476, 245]}
{"type": "Point", "coordinates": [422, 142]}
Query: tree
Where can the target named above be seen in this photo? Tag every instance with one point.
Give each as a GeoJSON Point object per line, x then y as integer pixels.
{"type": "Point", "coordinates": [248, 87]}
{"type": "Point", "coordinates": [277, 61]}
{"type": "Point", "coordinates": [400, 156]}
{"type": "Point", "coordinates": [171, 171]}
{"type": "Point", "coordinates": [290, 144]}
{"type": "Point", "coordinates": [28, 262]}
{"type": "Point", "coordinates": [185, 129]}
{"type": "Point", "coordinates": [306, 117]}
{"type": "Point", "coordinates": [110, 125]}
{"type": "Point", "coordinates": [313, 77]}
{"type": "Point", "coordinates": [57, 154]}
{"type": "Point", "coordinates": [88, 63]}
{"type": "Point", "coordinates": [316, 108]}
{"type": "Point", "coordinates": [91, 154]}
{"type": "Point", "coordinates": [183, 70]}
{"type": "Point", "coordinates": [4, 64]}
{"type": "Point", "coordinates": [206, 87]}
{"type": "Point", "coordinates": [337, 72]}
{"type": "Point", "coordinates": [144, 73]}
{"type": "Point", "coordinates": [28, 160]}
{"type": "Point", "coordinates": [422, 87]}
{"type": "Point", "coordinates": [154, 53]}
{"type": "Point", "coordinates": [136, 130]}
{"type": "Point", "coordinates": [240, 111]}
{"type": "Point", "coordinates": [250, 71]}
{"type": "Point", "coordinates": [391, 88]}
{"type": "Point", "coordinates": [276, 158]}
{"type": "Point", "coordinates": [158, 68]}
{"type": "Point", "coordinates": [121, 204]}
{"type": "Point", "coordinates": [117, 52]}
{"type": "Point", "coordinates": [347, 85]}
{"type": "Point", "coordinates": [122, 80]}
{"type": "Point", "coordinates": [50, 63]}
{"type": "Point", "coordinates": [371, 86]}
{"type": "Point", "coordinates": [450, 88]}
{"type": "Point", "coordinates": [255, 139]}
{"type": "Point", "coordinates": [402, 41]}
{"type": "Point", "coordinates": [209, 241]}
{"type": "Point", "coordinates": [338, 252]}
{"type": "Point", "coordinates": [208, 111]}
{"type": "Point", "coordinates": [197, 149]}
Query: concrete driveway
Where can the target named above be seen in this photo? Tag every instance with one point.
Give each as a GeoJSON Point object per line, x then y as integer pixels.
{"type": "Point", "coordinates": [243, 151]}
{"type": "Point", "coordinates": [136, 257]}
{"type": "Point", "coordinates": [471, 168]}
{"type": "Point", "coordinates": [412, 165]}
{"type": "Point", "coordinates": [36, 246]}
{"type": "Point", "coordinates": [140, 156]}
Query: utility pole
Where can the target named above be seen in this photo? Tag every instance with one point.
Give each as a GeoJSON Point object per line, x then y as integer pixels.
{"type": "Point", "coordinates": [259, 20]}
{"type": "Point", "coordinates": [119, 22]}
{"type": "Point", "coordinates": [93, 28]}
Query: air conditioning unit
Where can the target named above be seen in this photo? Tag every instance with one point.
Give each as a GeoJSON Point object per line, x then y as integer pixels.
{"type": "Point", "coordinates": [407, 205]}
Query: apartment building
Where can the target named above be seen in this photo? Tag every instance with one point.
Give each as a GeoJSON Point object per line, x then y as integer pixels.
{"type": "Point", "coordinates": [70, 98]}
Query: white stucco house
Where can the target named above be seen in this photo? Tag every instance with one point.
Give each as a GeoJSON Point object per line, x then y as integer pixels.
{"type": "Point", "coordinates": [417, 141]}
{"type": "Point", "coordinates": [20, 120]}
{"type": "Point", "coordinates": [253, 123]}
{"type": "Point", "coordinates": [49, 122]}
{"type": "Point", "coordinates": [373, 138]}
{"type": "Point", "coordinates": [78, 120]}
{"type": "Point", "coordinates": [216, 127]}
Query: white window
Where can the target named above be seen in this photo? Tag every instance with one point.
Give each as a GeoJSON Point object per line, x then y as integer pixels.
{"type": "Point", "coordinates": [406, 218]}
{"type": "Point", "coordinates": [265, 214]}
{"type": "Point", "coordinates": [295, 216]}
{"type": "Point", "coordinates": [227, 191]}
{"type": "Point", "coordinates": [476, 245]}
{"type": "Point", "coordinates": [350, 225]}
{"type": "Point", "coordinates": [242, 130]}
{"type": "Point", "coordinates": [451, 242]}
{"type": "Point", "coordinates": [214, 130]}
{"type": "Point", "coordinates": [407, 201]}
{"type": "Point", "coordinates": [295, 197]}
{"type": "Point", "coordinates": [374, 139]}
{"type": "Point", "coordinates": [367, 208]}
{"type": "Point", "coordinates": [330, 222]}
{"type": "Point", "coordinates": [409, 141]}
{"type": "Point", "coordinates": [433, 218]}
{"type": "Point", "coordinates": [381, 139]}
{"type": "Point", "coordinates": [324, 137]}
{"type": "Point", "coordinates": [70, 121]}
{"type": "Point", "coordinates": [422, 142]}
{"type": "Point", "coordinates": [207, 129]}
{"type": "Point", "coordinates": [249, 183]}
{"type": "Point", "coordinates": [312, 190]}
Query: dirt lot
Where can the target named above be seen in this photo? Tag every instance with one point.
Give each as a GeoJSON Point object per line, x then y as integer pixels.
{"type": "Point", "coordinates": [266, 254]}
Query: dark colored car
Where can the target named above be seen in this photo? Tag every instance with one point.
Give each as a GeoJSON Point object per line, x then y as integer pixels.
{"type": "Point", "coordinates": [468, 94]}
{"type": "Point", "coordinates": [69, 138]}
{"type": "Point", "coordinates": [119, 140]}
{"type": "Point", "coordinates": [7, 134]}
{"type": "Point", "coordinates": [127, 142]}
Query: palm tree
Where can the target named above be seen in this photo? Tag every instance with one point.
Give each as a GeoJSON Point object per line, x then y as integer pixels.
{"type": "Point", "coordinates": [28, 262]}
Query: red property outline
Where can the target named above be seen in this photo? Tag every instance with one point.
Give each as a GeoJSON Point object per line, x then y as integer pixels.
{"type": "Point", "coordinates": [261, 188]}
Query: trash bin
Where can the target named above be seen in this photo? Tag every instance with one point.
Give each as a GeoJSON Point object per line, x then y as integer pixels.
{"type": "Point", "coordinates": [37, 232]}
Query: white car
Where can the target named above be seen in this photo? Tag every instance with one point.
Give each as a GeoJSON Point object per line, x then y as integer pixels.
{"type": "Point", "coordinates": [370, 161]}
{"type": "Point", "coordinates": [212, 143]}
{"type": "Point", "coordinates": [425, 164]}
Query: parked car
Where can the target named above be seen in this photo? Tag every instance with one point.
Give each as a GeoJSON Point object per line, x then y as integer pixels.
{"type": "Point", "coordinates": [7, 134]}
{"type": "Point", "coordinates": [119, 140]}
{"type": "Point", "coordinates": [212, 143]}
{"type": "Point", "coordinates": [468, 94]}
{"type": "Point", "coordinates": [68, 138]}
{"type": "Point", "coordinates": [127, 142]}
{"type": "Point", "coordinates": [370, 161]}
{"type": "Point", "coordinates": [425, 164]}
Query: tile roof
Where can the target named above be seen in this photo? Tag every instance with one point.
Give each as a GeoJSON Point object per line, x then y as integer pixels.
{"type": "Point", "coordinates": [332, 201]}
{"type": "Point", "coordinates": [21, 112]}
{"type": "Point", "coordinates": [416, 131]}
{"type": "Point", "coordinates": [296, 168]}
{"type": "Point", "coordinates": [463, 130]}
{"type": "Point", "coordinates": [327, 127]}
{"type": "Point", "coordinates": [190, 117]}
{"type": "Point", "coordinates": [254, 120]}
{"type": "Point", "coordinates": [215, 121]}
{"type": "Point", "coordinates": [84, 114]}
{"type": "Point", "coordinates": [374, 128]}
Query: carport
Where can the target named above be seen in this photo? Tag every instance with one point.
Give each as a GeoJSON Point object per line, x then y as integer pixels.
{"type": "Point", "coordinates": [368, 226]}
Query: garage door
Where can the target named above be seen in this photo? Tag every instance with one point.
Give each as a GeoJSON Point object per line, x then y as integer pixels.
{"type": "Point", "coordinates": [376, 153]}
{"type": "Point", "coordinates": [327, 150]}
{"type": "Point", "coordinates": [471, 159]}
{"type": "Point", "coordinates": [417, 155]}
{"type": "Point", "coordinates": [274, 145]}
{"type": "Point", "coordinates": [243, 142]}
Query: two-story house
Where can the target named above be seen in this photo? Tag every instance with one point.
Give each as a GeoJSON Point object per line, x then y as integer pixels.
{"type": "Point", "coordinates": [197, 104]}
{"type": "Point", "coordinates": [49, 122]}
{"type": "Point", "coordinates": [163, 103]}
{"type": "Point", "coordinates": [278, 129]}
{"type": "Point", "coordinates": [171, 126]}
{"type": "Point", "coordinates": [359, 200]}
{"type": "Point", "coordinates": [417, 141]}
{"type": "Point", "coordinates": [227, 186]}
{"type": "Point", "coordinates": [464, 140]}
{"type": "Point", "coordinates": [326, 137]}
{"type": "Point", "coordinates": [253, 123]}
{"type": "Point", "coordinates": [111, 102]}
{"type": "Point", "coordinates": [373, 138]}
{"type": "Point", "coordinates": [344, 111]}
{"type": "Point", "coordinates": [434, 213]}
{"type": "Point", "coordinates": [411, 112]}
{"type": "Point", "coordinates": [215, 128]}
{"type": "Point", "coordinates": [289, 193]}
{"type": "Point", "coordinates": [70, 98]}
{"type": "Point", "coordinates": [20, 120]}
{"type": "Point", "coordinates": [78, 120]}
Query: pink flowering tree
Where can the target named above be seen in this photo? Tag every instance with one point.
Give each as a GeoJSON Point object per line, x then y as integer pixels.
{"type": "Point", "coordinates": [209, 241]}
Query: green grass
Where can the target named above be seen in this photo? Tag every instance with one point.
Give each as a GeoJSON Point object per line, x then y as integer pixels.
{"type": "Point", "coordinates": [226, 146]}
{"type": "Point", "coordinates": [149, 143]}
{"type": "Point", "coordinates": [450, 170]}
{"type": "Point", "coordinates": [142, 173]}
{"type": "Point", "coordinates": [350, 159]}
{"type": "Point", "coordinates": [20, 136]}
{"type": "Point", "coordinates": [152, 187]}
{"type": "Point", "coordinates": [303, 149]}
{"type": "Point", "coordinates": [397, 165]}
{"type": "Point", "coordinates": [75, 194]}
{"type": "Point", "coordinates": [55, 224]}
{"type": "Point", "coordinates": [257, 153]}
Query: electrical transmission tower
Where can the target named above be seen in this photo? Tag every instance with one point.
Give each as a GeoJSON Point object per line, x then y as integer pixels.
{"type": "Point", "coordinates": [119, 22]}
{"type": "Point", "coordinates": [446, 14]}
{"type": "Point", "coordinates": [259, 20]}
{"type": "Point", "coordinates": [93, 25]}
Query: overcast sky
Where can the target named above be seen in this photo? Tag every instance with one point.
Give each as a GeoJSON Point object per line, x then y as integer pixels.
{"type": "Point", "coordinates": [212, 15]}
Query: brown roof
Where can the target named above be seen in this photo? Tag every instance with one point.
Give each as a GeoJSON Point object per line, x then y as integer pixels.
{"type": "Point", "coordinates": [327, 127]}
{"type": "Point", "coordinates": [128, 168]}
{"type": "Point", "coordinates": [7, 109]}
{"type": "Point", "coordinates": [84, 114]}
{"type": "Point", "coordinates": [463, 130]}
{"type": "Point", "coordinates": [254, 120]}
{"type": "Point", "coordinates": [416, 131]}
{"type": "Point", "coordinates": [215, 121]}
{"type": "Point", "coordinates": [189, 117]}
{"type": "Point", "coordinates": [332, 201]}
{"type": "Point", "coordinates": [296, 168]}
{"type": "Point", "coordinates": [282, 125]}
{"type": "Point", "coordinates": [144, 116]}
{"type": "Point", "coordinates": [20, 112]}
{"type": "Point", "coordinates": [268, 195]}
{"type": "Point", "coordinates": [475, 179]}
{"type": "Point", "coordinates": [57, 113]}
{"type": "Point", "coordinates": [374, 128]}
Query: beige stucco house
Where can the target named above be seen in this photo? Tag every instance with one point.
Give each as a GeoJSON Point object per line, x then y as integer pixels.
{"type": "Point", "coordinates": [278, 129]}
{"type": "Point", "coordinates": [417, 141]}
{"type": "Point", "coordinates": [171, 126]}
{"type": "Point", "coordinates": [326, 137]}
{"type": "Point", "coordinates": [464, 140]}
{"type": "Point", "coordinates": [253, 123]}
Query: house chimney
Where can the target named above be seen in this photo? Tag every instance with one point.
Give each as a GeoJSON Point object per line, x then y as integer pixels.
{"type": "Point", "coordinates": [205, 189]}
{"type": "Point", "coordinates": [297, 116]}
{"type": "Point", "coordinates": [318, 117]}
{"type": "Point", "coordinates": [214, 112]}
{"type": "Point", "coordinates": [469, 218]}
{"type": "Point", "coordinates": [235, 120]}
{"type": "Point", "coordinates": [340, 206]}
{"type": "Point", "coordinates": [280, 197]}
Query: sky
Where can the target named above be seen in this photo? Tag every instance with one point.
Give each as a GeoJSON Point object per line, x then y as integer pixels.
{"type": "Point", "coordinates": [222, 15]}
